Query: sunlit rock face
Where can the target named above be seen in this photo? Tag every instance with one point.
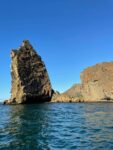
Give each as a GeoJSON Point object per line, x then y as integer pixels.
{"type": "Point", "coordinates": [75, 91]}
{"type": "Point", "coordinates": [97, 82]}
{"type": "Point", "coordinates": [96, 85]}
{"type": "Point", "coordinates": [74, 94]}
{"type": "Point", "coordinates": [30, 80]}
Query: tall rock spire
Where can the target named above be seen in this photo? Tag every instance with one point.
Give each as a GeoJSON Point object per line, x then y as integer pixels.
{"type": "Point", "coordinates": [30, 80]}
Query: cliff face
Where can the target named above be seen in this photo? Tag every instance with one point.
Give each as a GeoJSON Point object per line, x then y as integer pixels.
{"type": "Point", "coordinates": [30, 80]}
{"type": "Point", "coordinates": [97, 85]}
{"type": "Point", "coordinates": [97, 82]}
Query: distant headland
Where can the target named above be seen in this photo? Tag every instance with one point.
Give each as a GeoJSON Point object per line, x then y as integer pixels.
{"type": "Point", "coordinates": [31, 82]}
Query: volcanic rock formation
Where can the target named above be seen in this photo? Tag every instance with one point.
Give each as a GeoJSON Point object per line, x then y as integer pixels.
{"type": "Point", "coordinates": [96, 86]}
{"type": "Point", "coordinates": [31, 84]}
{"type": "Point", "coordinates": [30, 80]}
{"type": "Point", "coordinates": [74, 94]}
{"type": "Point", "coordinates": [75, 91]}
{"type": "Point", "coordinates": [97, 82]}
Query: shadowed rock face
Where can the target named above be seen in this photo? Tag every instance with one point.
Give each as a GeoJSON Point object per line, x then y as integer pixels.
{"type": "Point", "coordinates": [30, 80]}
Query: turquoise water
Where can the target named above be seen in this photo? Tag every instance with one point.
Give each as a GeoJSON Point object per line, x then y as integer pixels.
{"type": "Point", "coordinates": [57, 126]}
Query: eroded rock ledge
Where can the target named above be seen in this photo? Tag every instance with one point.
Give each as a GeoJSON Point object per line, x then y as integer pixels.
{"type": "Point", "coordinates": [30, 80]}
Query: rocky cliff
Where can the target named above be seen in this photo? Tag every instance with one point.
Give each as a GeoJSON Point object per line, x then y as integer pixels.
{"type": "Point", "coordinates": [97, 82]}
{"type": "Point", "coordinates": [31, 83]}
{"type": "Point", "coordinates": [96, 85]}
{"type": "Point", "coordinates": [30, 80]}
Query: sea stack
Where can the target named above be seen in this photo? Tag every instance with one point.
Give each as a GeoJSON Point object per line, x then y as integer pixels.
{"type": "Point", "coordinates": [30, 80]}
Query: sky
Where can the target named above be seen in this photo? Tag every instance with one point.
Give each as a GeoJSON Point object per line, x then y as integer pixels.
{"type": "Point", "coordinates": [70, 35]}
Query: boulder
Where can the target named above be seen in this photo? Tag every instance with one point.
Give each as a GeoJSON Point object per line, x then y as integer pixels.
{"type": "Point", "coordinates": [30, 80]}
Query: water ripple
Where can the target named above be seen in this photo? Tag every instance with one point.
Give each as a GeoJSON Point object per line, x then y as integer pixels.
{"type": "Point", "coordinates": [58, 126]}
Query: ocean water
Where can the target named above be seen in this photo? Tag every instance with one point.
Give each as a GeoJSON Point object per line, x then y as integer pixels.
{"type": "Point", "coordinates": [57, 126]}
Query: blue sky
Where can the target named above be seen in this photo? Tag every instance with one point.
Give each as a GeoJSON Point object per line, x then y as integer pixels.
{"type": "Point", "coordinates": [70, 35]}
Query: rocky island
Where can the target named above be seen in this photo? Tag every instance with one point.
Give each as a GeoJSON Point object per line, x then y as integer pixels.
{"type": "Point", "coordinates": [31, 82]}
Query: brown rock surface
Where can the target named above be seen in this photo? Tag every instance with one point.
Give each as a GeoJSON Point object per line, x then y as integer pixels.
{"type": "Point", "coordinates": [72, 95]}
{"type": "Point", "coordinates": [65, 98]}
{"type": "Point", "coordinates": [31, 84]}
{"type": "Point", "coordinates": [97, 82]}
{"type": "Point", "coordinates": [96, 86]}
{"type": "Point", "coordinates": [57, 97]}
{"type": "Point", "coordinates": [30, 80]}
{"type": "Point", "coordinates": [74, 91]}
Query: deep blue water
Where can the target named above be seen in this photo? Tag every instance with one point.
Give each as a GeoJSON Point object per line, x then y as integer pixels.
{"type": "Point", "coordinates": [57, 126]}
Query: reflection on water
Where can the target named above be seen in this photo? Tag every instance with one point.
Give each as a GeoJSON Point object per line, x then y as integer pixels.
{"type": "Point", "coordinates": [26, 128]}
{"type": "Point", "coordinates": [65, 126]}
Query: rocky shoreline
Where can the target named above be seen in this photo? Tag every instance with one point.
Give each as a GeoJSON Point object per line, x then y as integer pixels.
{"type": "Point", "coordinates": [31, 82]}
